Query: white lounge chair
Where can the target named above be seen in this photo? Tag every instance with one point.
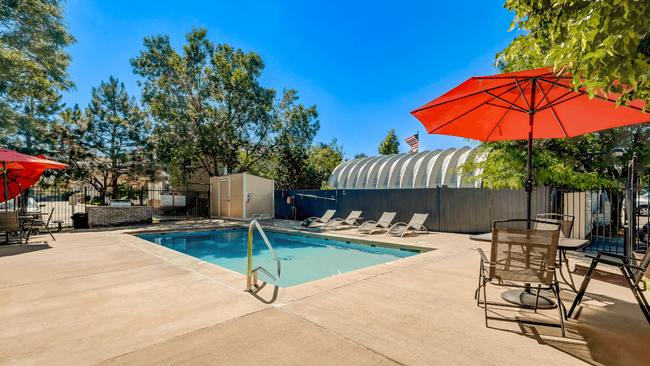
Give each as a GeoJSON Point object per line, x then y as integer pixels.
{"type": "Point", "coordinates": [351, 220]}
{"type": "Point", "coordinates": [416, 223]}
{"type": "Point", "coordinates": [384, 222]}
{"type": "Point", "coordinates": [324, 220]}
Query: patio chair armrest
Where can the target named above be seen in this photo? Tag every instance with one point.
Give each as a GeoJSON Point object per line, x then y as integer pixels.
{"type": "Point", "coordinates": [403, 223]}
{"type": "Point", "coordinates": [614, 255]}
{"type": "Point", "coordinates": [483, 256]}
{"type": "Point", "coordinates": [617, 264]}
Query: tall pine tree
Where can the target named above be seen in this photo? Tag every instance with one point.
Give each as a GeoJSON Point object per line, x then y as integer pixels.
{"type": "Point", "coordinates": [390, 145]}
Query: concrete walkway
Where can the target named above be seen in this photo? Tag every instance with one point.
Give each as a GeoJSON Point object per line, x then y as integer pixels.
{"type": "Point", "coordinates": [105, 296]}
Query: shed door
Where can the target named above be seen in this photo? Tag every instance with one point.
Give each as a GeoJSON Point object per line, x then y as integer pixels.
{"type": "Point", "coordinates": [224, 198]}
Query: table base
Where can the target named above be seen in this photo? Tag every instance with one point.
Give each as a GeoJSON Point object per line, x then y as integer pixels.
{"type": "Point", "coordinates": [526, 298]}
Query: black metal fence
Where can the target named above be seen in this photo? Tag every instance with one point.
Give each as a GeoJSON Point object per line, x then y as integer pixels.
{"type": "Point", "coordinates": [602, 217]}
{"type": "Point", "coordinates": [168, 204]}
{"type": "Point", "coordinates": [457, 210]}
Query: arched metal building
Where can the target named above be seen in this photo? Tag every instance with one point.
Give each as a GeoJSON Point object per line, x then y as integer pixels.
{"type": "Point", "coordinates": [427, 169]}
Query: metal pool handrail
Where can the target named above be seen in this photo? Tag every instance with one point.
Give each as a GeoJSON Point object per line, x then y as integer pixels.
{"type": "Point", "coordinates": [253, 271]}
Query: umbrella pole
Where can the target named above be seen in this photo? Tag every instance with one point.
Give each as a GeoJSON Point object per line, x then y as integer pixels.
{"type": "Point", "coordinates": [4, 172]}
{"type": "Point", "coordinates": [529, 178]}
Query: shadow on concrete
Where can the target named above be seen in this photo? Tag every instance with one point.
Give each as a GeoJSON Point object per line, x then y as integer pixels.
{"type": "Point", "coordinates": [274, 297]}
{"type": "Point", "coordinates": [604, 331]}
{"type": "Point", "coordinates": [9, 250]}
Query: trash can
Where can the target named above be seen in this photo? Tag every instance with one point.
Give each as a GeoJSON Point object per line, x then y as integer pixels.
{"type": "Point", "coordinates": [80, 220]}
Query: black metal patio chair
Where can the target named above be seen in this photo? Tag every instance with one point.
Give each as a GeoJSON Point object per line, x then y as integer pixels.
{"type": "Point", "coordinates": [632, 272]}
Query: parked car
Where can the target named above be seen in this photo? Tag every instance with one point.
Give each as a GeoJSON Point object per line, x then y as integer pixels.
{"type": "Point", "coordinates": [642, 204]}
{"type": "Point", "coordinates": [31, 205]}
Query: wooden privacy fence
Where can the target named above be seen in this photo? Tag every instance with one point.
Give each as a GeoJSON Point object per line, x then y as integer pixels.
{"type": "Point", "coordinates": [456, 210]}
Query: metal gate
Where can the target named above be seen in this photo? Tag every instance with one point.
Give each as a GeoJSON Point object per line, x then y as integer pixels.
{"type": "Point", "coordinates": [614, 220]}
{"type": "Point", "coordinates": [180, 204]}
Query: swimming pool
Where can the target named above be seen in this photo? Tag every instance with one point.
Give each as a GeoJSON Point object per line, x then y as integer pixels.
{"type": "Point", "coordinates": [303, 259]}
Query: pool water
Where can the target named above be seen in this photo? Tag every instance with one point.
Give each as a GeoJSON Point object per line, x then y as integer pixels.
{"type": "Point", "coordinates": [303, 259]}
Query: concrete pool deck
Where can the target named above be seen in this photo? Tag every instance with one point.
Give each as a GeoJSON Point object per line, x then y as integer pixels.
{"type": "Point", "coordinates": [105, 296]}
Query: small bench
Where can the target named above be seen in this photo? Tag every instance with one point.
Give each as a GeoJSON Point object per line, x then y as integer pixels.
{"type": "Point", "coordinates": [59, 222]}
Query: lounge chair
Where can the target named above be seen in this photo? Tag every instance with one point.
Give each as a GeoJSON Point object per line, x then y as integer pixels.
{"type": "Point", "coordinates": [520, 256]}
{"type": "Point", "coordinates": [384, 222]}
{"type": "Point", "coordinates": [416, 223]}
{"type": "Point", "coordinates": [324, 220]}
{"type": "Point", "coordinates": [351, 220]}
{"type": "Point", "coordinates": [632, 269]}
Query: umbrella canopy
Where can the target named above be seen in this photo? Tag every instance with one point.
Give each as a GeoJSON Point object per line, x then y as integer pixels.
{"type": "Point", "coordinates": [499, 107]}
{"type": "Point", "coordinates": [532, 104]}
{"type": "Point", "coordinates": [20, 171]}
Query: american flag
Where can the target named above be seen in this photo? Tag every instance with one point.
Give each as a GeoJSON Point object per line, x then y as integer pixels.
{"type": "Point", "coordinates": [413, 141]}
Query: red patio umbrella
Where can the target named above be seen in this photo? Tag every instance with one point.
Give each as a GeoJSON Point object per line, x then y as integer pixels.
{"type": "Point", "coordinates": [532, 104]}
{"type": "Point", "coordinates": [20, 171]}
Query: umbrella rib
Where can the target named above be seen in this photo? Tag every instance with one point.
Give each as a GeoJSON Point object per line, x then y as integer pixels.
{"type": "Point", "coordinates": [545, 95]}
{"type": "Point", "coordinates": [595, 96]}
{"type": "Point", "coordinates": [522, 93]}
{"type": "Point", "coordinates": [501, 120]}
{"type": "Point", "coordinates": [461, 116]}
{"type": "Point", "coordinates": [466, 113]}
{"type": "Point", "coordinates": [472, 110]}
{"type": "Point", "coordinates": [556, 103]}
{"type": "Point", "coordinates": [559, 123]}
{"type": "Point", "coordinates": [499, 106]}
{"type": "Point", "coordinates": [466, 96]}
{"type": "Point", "coordinates": [505, 101]}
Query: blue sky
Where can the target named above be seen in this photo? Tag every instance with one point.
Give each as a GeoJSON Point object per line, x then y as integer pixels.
{"type": "Point", "coordinates": [364, 65]}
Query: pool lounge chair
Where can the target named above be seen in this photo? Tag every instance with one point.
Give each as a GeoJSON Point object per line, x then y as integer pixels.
{"type": "Point", "coordinates": [416, 223]}
{"type": "Point", "coordinates": [384, 222]}
{"type": "Point", "coordinates": [351, 220]}
{"type": "Point", "coordinates": [324, 220]}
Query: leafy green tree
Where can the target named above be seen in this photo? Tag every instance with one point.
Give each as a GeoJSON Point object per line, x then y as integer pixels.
{"type": "Point", "coordinates": [557, 162]}
{"type": "Point", "coordinates": [322, 159]}
{"type": "Point", "coordinates": [390, 145]}
{"type": "Point", "coordinates": [599, 42]}
{"type": "Point", "coordinates": [207, 104]}
{"type": "Point", "coordinates": [33, 69]}
{"type": "Point", "coordinates": [297, 127]}
{"type": "Point", "coordinates": [360, 155]}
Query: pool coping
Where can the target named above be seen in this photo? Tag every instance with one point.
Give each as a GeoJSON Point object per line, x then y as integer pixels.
{"type": "Point", "coordinates": [272, 294]}
{"type": "Point", "coordinates": [310, 234]}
